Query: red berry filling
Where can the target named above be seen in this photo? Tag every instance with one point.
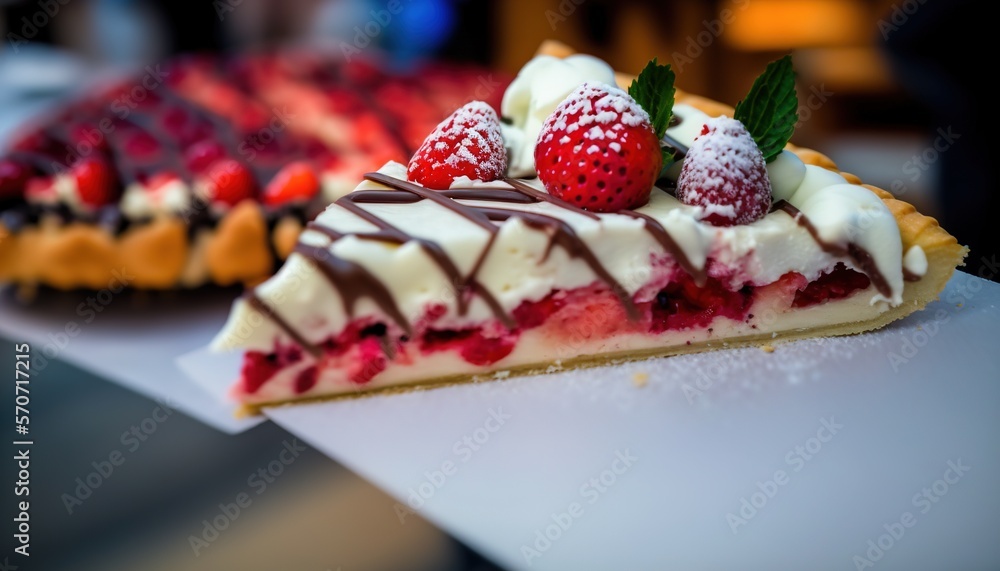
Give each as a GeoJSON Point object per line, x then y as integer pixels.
{"type": "Point", "coordinates": [683, 305]}
{"type": "Point", "coordinates": [837, 284]}
{"type": "Point", "coordinates": [365, 348]}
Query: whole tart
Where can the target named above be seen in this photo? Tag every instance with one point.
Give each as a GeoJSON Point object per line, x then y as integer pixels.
{"type": "Point", "coordinates": [203, 170]}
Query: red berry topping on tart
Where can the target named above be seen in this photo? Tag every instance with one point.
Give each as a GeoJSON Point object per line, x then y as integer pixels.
{"type": "Point", "coordinates": [468, 143]}
{"type": "Point", "coordinates": [724, 173]}
{"type": "Point", "coordinates": [229, 182]}
{"type": "Point", "coordinates": [95, 181]}
{"type": "Point", "coordinates": [141, 145]}
{"type": "Point", "coordinates": [297, 182]}
{"type": "Point", "coordinates": [203, 154]}
{"type": "Point", "coordinates": [13, 177]}
{"type": "Point", "coordinates": [598, 150]}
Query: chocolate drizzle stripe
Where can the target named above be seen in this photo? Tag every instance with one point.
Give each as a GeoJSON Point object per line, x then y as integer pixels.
{"type": "Point", "coordinates": [325, 230]}
{"type": "Point", "coordinates": [263, 308]}
{"type": "Point", "coordinates": [539, 196]}
{"type": "Point", "coordinates": [564, 236]}
{"type": "Point", "coordinates": [667, 242]}
{"type": "Point", "coordinates": [460, 283]}
{"type": "Point", "coordinates": [353, 281]}
{"type": "Point", "coordinates": [468, 212]}
{"type": "Point", "coordinates": [861, 257]}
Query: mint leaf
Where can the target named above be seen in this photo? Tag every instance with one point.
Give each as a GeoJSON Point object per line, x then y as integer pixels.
{"type": "Point", "coordinates": [653, 90]}
{"type": "Point", "coordinates": [770, 110]}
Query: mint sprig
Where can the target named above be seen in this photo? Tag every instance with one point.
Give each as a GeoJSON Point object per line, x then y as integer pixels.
{"type": "Point", "coordinates": [654, 91]}
{"type": "Point", "coordinates": [770, 110]}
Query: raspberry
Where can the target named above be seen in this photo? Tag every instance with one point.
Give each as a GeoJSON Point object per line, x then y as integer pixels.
{"type": "Point", "coordinates": [598, 150]}
{"type": "Point", "coordinates": [724, 173]}
{"type": "Point", "coordinates": [468, 143]}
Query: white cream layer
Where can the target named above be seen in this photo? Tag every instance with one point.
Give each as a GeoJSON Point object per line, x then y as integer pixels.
{"type": "Point", "coordinates": [517, 270]}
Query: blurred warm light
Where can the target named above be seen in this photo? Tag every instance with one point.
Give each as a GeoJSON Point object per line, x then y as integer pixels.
{"type": "Point", "coordinates": [780, 25]}
{"type": "Point", "coordinates": [845, 69]}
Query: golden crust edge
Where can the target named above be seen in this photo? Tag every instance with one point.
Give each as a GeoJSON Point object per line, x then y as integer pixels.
{"type": "Point", "coordinates": [140, 251]}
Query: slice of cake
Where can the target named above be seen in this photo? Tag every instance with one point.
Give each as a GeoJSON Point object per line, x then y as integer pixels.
{"type": "Point", "coordinates": [205, 169]}
{"type": "Point", "coordinates": [614, 226]}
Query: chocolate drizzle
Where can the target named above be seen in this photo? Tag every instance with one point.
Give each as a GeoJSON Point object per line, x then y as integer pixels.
{"type": "Point", "coordinates": [861, 257]}
{"type": "Point", "coordinates": [353, 281]}
{"type": "Point", "coordinates": [266, 310]}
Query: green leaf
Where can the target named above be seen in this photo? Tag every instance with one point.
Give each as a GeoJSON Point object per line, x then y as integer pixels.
{"type": "Point", "coordinates": [653, 90]}
{"type": "Point", "coordinates": [770, 110]}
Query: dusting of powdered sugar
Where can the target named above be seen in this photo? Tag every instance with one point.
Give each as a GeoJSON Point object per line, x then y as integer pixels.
{"type": "Point", "coordinates": [722, 170]}
{"type": "Point", "coordinates": [598, 108]}
{"type": "Point", "coordinates": [476, 127]}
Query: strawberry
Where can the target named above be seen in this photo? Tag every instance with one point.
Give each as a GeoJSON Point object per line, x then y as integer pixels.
{"type": "Point", "coordinates": [468, 143]}
{"type": "Point", "coordinates": [295, 183]}
{"type": "Point", "coordinates": [95, 181]}
{"type": "Point", "coordinates": [13, 178]}
{"type": "Point", "coordinates": [229, 182]}
{"type": "Point", "coordinates": [724, 173]}
{"type": "Point", "coordinates": [598, 150]}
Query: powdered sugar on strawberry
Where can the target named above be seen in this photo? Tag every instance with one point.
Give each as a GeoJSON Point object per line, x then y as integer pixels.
{"type": "Point", "coordinates": [598, 150]}
{"type": "Point", "coordinates": [724, 173]}
{"type": "Point", "coordinates": [466, 144]}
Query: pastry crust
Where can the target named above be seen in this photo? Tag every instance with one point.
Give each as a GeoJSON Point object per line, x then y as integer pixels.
{"type": "Point", "coordinates": [158, 254]}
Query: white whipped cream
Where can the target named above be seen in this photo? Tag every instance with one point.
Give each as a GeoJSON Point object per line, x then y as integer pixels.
{"type": "Point", "coordinates": [915, 261]}
{"type": "Point", "coordinates": [140, 201]}
{"type": "Point", "coordinates": [538, 89]}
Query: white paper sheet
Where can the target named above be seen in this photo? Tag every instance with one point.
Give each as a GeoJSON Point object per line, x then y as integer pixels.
{"type": "Point", "coordinates": [131, 339]}
{"type": "Point", "coordinates": [834, 440]}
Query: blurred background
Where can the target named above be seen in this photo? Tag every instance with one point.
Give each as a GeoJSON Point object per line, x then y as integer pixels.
{"type": "Point", "coordinates": [886, 89]}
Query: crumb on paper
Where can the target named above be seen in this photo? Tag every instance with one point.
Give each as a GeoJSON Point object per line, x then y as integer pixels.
{"type": "Point", "coordinates": [768, 348]}
{"type": "Point", "coordinates": [640, 379]}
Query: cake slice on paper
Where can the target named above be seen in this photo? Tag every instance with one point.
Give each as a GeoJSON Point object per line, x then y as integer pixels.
{"type": "Point", "coordinates": [615, 225]}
